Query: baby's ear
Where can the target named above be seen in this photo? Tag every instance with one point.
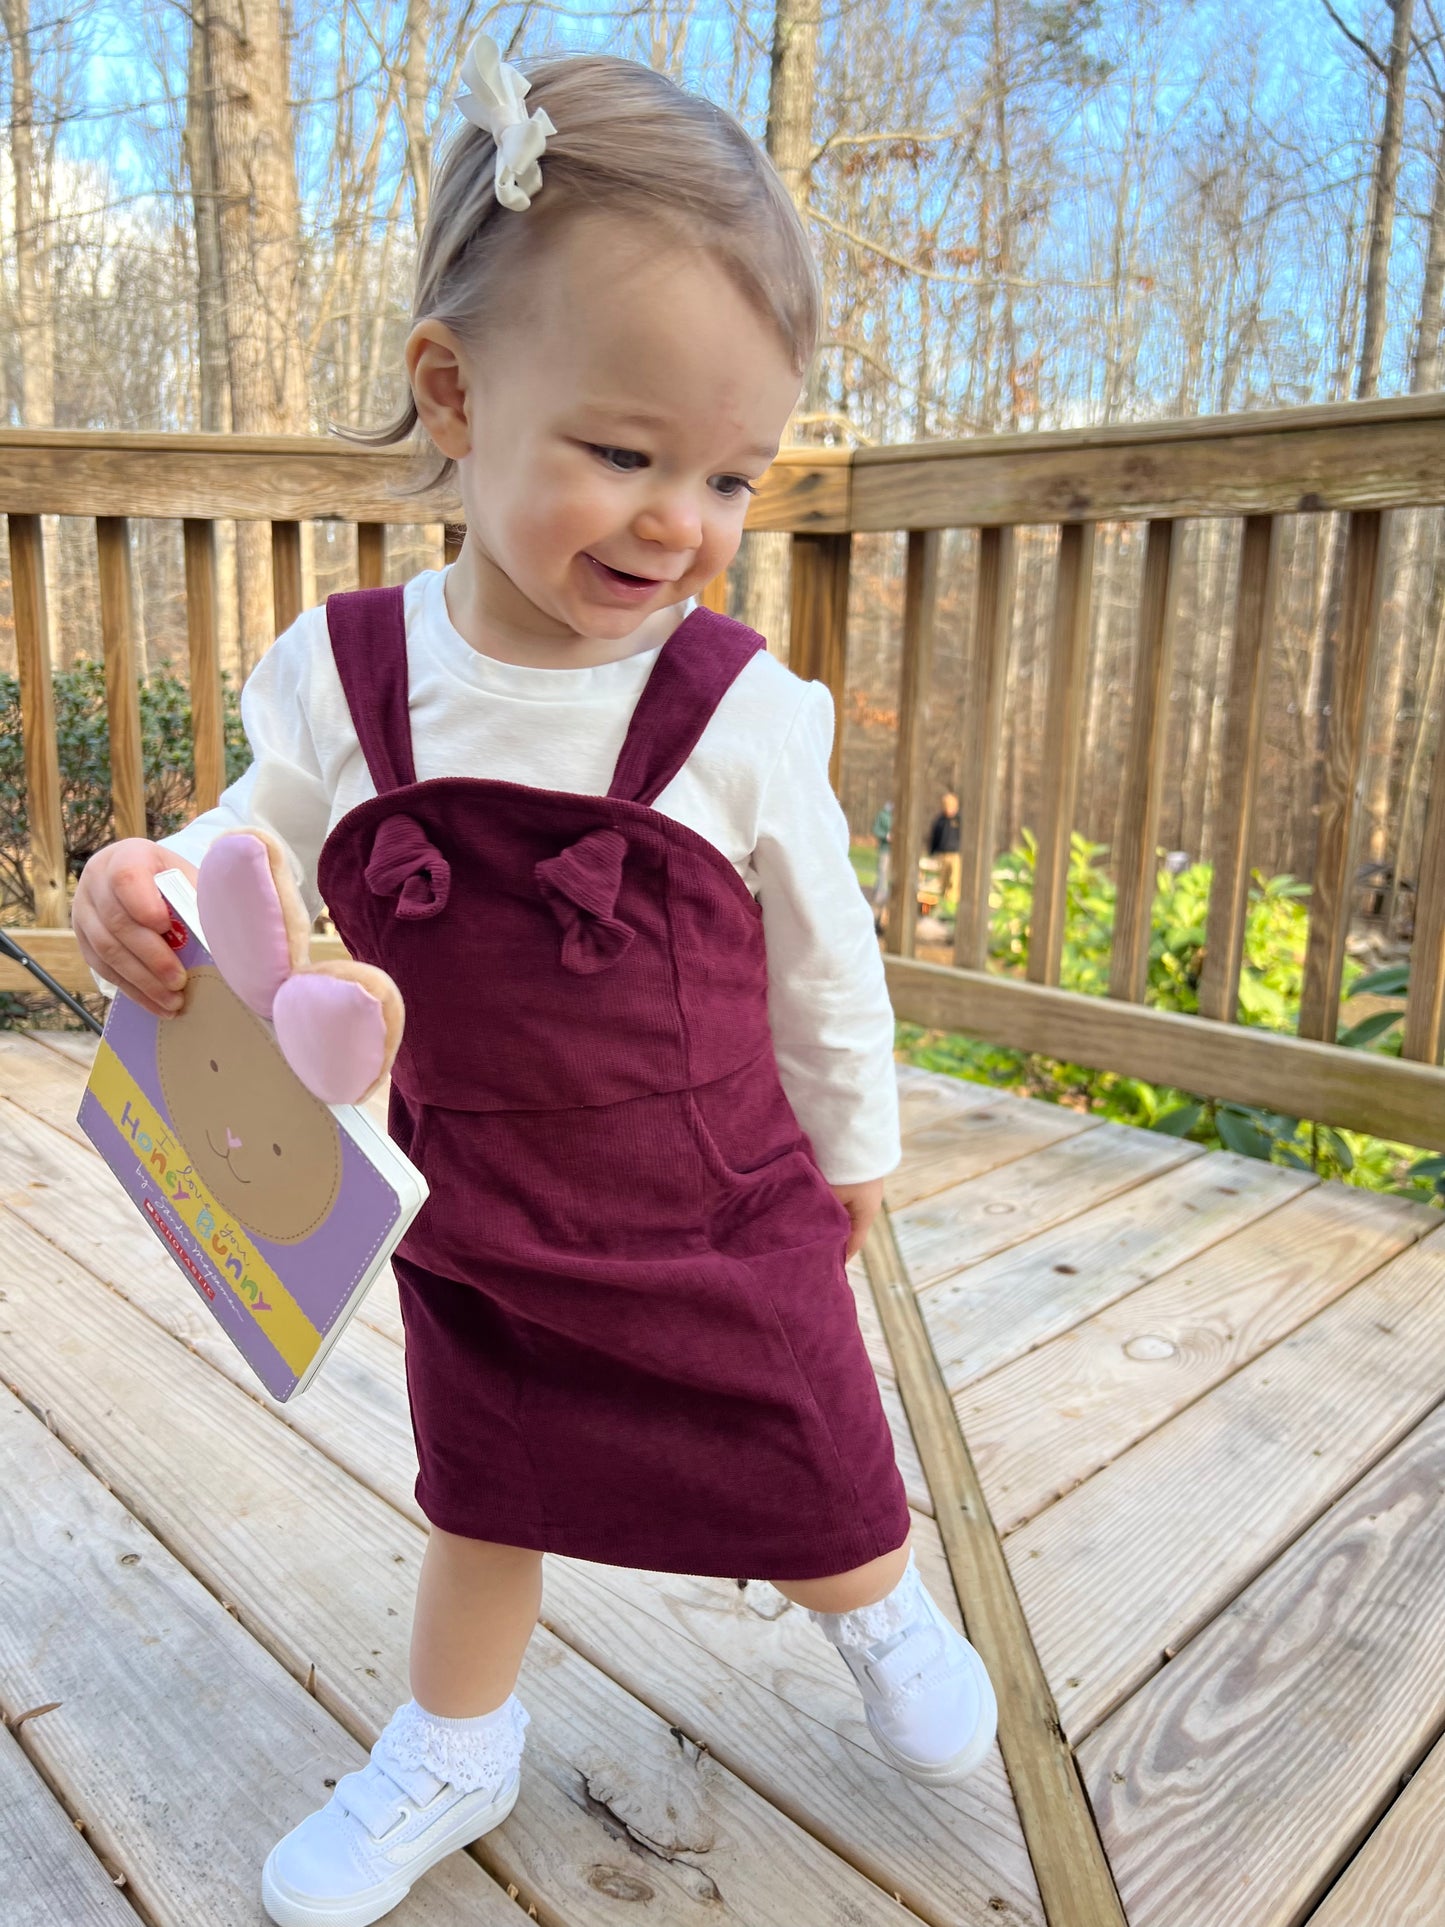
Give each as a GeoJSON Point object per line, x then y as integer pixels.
{"type": "Point", "coordinates": [256, 925]}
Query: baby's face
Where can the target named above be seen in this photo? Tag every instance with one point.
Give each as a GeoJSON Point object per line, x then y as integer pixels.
{"type": "Point", "coordinates": [267, 1150]}
{"type": "Point", "coordinates": [616, 427]}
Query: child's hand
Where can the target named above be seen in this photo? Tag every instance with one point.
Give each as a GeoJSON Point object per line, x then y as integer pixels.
{"type": "Point", "coordinates": [862, 1202]}
{"type": "Point", "coordinates": [120, 920]}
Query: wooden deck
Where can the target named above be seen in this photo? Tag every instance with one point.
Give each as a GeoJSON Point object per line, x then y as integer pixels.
{"type": "Point", "coordinates": [1202, 1396]}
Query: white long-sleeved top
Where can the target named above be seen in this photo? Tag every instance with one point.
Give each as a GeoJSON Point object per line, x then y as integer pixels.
{"type": "Point", "coordinates": [756, 787]}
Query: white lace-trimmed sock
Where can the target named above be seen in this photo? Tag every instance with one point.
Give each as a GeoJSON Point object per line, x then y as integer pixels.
{"type": "Point", "coordinates": [884, 1620]}
{"type": "Point", "coordinates": [468, 1754]}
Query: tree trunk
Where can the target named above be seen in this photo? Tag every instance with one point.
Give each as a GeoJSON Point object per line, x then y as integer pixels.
{"type": "Point", "coordinates": [34, 320]}
{"type": "Point", "coordinates": [1377, 288]}
{"type": "Point", "coordinates": [416, 83]}
{"type": "Point", "coordinates": [761, 574]}
{"type": "Point", "coordinates": [1382, 212]}
{"type": "Point", "coordinates": [1412, 588]}
{"type": "Point", "coordinates": [258, 225]}
{"type": "Point", "coordinates": [198, 143]}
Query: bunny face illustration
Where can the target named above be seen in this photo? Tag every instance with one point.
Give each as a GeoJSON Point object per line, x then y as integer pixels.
{"type": "Point", "coordinates": [268, 1151]}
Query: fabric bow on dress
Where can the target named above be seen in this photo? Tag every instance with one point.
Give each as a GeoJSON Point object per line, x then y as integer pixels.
{"type": "Point", "coordinates": [406, 864]}
{"type": "Point", "coordinates": [581, 887]}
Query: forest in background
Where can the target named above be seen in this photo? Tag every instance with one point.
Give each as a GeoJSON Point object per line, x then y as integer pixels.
{"type": "Point", "coordinates": [1030, 214]}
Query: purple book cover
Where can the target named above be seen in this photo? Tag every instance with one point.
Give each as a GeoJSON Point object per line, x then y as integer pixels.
{"type": "Point", "coordinates": [278, 1209]}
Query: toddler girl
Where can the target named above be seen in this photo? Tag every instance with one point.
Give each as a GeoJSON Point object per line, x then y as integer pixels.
{"type": "Point", "coordinates": [585, 824]}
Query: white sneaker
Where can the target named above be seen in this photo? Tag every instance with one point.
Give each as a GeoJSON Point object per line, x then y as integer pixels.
{"type": "Point", "coordinates": [927, 1696]}
{"type": "Point", "coordinates": [357, 1857]}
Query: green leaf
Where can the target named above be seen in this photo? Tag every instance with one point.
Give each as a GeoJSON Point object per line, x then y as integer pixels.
{"type": "Point", "coordinates": [1180, 1121]}
{"type": "Point", "coordinates": [1294, 1157]}
{"type": "Point", "coordinates": [1238, 1132]}
{"type": "Point", "coordinates": [1392, 981]}
{"type": "Point", "coordinates": [1431, 1167]}
{"type": "Point", "coordinates": [1369, 1028]}
{"type": "Point", "coordinates": [1343, 1154]}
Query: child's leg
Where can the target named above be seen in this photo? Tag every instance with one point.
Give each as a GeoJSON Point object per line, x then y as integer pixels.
{"type": "Point", "coordinates": [926, 1694]}
{"type": "Point", "coordinates": [444, 1769]}
{"type": "Point", "coordinates": [476, 1605]}
{"type": "Point", "coordinates": [844, 1592]}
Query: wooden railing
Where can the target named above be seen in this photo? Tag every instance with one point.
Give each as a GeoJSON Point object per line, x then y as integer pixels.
{"type": "Point", "coordinates": [1364, 459]}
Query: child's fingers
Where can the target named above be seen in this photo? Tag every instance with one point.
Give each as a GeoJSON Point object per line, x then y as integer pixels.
{"type": "Point", "coordinates": [119, 924]}
{"type": "Point", "coordinates": [134, 958]}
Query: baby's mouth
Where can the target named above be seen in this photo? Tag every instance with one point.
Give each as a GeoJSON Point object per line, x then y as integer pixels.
{"type": "Point", "coordinates": [623, 575]}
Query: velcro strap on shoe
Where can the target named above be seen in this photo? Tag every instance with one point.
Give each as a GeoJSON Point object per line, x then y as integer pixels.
{"type": "Point", "coordinates": [908, 1660]}
{"type": "Point", "coordinates": [373, 1798]}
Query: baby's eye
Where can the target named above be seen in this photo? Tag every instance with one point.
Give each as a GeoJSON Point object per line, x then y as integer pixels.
{"type": "Point", "coordinates": [629, 460]}
{"type": "Point", "coordinates": [743, 486]}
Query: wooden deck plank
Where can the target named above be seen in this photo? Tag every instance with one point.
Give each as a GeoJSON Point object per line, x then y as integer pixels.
{"type": "Point", "coordinates": [47, 1873]}
{"type": "Point", "coordinates": [1044, 1424]}
{"type": "Point", "coordinates": [989, 1313]}
{"type": "Point", "coordinates": [321, 1570]}
{"type": "Point", "coordinates": [1073, 1875]}
{"type": "Point", "coordinates": [964, 1840]}
{"type": "Point", "coordinates": [791, 1743]}
{"type": "Point", "coordinates": [971, 1221]}
{"type": "Point", "coordinates": [965, 1143]}
{"type": "Point", "coordinates": [185, 1748]}
{"type": "Point", "coordinates": [1134, 1562]}
{"type": "Point", "coordinates": [46, 1083]}
{"type": "Point", "coordinates": [1398, 1877]}
{"type": "Point", "coordinates": [1230, 1791]}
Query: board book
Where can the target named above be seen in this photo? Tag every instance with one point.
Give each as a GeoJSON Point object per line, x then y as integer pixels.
{"type": "Point", "coordinates": [278, 1209]}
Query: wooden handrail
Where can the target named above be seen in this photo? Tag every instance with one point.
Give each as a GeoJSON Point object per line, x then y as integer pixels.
{"type": "Point", "coordinates": [1364, 458]}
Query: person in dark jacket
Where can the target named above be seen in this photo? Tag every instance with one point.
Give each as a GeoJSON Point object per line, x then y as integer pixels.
{"type": "Point", "coordinates": [943, 843]}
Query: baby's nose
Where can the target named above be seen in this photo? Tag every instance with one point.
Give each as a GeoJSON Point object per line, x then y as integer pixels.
{"type": "Point", "coordinates": [233, 1143]}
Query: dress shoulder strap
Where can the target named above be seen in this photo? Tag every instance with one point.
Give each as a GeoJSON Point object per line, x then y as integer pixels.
{"type": "Point", "coordinates": [368, 641]}
{"type": "Point", "coordinates": [699, 663]}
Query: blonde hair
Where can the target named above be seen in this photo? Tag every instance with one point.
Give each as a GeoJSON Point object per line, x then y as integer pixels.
{"type": "Point", "coordinates": [629, 143]}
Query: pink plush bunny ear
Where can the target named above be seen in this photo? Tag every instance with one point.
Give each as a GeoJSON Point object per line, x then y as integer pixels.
{"type": "Point", "coordinates": [338, 1025]}
{"type": "Point", "coordinates": [256, 926]}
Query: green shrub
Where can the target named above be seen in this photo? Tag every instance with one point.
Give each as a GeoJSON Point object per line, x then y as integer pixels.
{"type": "Point", "coordinates": [1271, 980]}
{"type": "Point", "coordinates": [84, 747]}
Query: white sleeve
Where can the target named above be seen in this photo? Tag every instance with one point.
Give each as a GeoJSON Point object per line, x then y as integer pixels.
{"type": "Point", "coordinates": [828, 1002]}
{"type": "Point", "coordinates": [283, 789]}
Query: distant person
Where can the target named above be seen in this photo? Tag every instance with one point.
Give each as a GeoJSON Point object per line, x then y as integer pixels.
{"type": "Point", "coordinates": [648, 1061]}
{"type": "Point", "coordinates": [883, 836]}
{"type": "Point", "coordinates": [943, 843]}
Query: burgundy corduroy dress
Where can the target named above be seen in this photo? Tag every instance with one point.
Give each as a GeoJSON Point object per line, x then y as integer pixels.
{"type": "Point", "coordinates": [629, 1336]}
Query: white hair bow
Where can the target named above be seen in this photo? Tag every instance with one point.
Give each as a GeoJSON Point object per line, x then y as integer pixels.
{"type": "Point", "coordinates": [494, 102]}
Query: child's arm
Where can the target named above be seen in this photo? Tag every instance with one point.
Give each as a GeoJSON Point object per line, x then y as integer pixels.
{"type": "Point", "coordinates": [120, 917]}
{"type": "Point", "coordinates": [828, 1003]}
{"type": "Point", "coordinates": [284, 787]}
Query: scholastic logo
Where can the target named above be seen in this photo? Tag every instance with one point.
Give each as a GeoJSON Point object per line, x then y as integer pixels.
{"type": "Point", "coordinates": [182, 1256]}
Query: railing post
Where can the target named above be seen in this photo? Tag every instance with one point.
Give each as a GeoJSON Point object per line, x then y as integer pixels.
{"type": "Point", "coordinates": [1425, 1005]}
{"type": "Point", "coordinates": [982, 734]}
{"type": "Point", "coordinates": [44, 822]}
{"type": "Point", "coordinates": [370, 554]}
{"type": "Point", "coordinates": [1068, 659]}
{"type": "Point", "coordinates": [122, 688]}
{"type": "Point", "coordinates": [1135, 865]}
{"type": "Point", "coordinates": [1330, 900]}
{"type": "Point", "coordinates": [286, 588]}
{"type": "Point", "coordinates": [207, 725]}
{"type": "Point", "coordinates": [818, 632]}
{"type": "Point", "coordinates": [1243, 734]}
{"type": "Point", "coordinates": [920, 603]}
